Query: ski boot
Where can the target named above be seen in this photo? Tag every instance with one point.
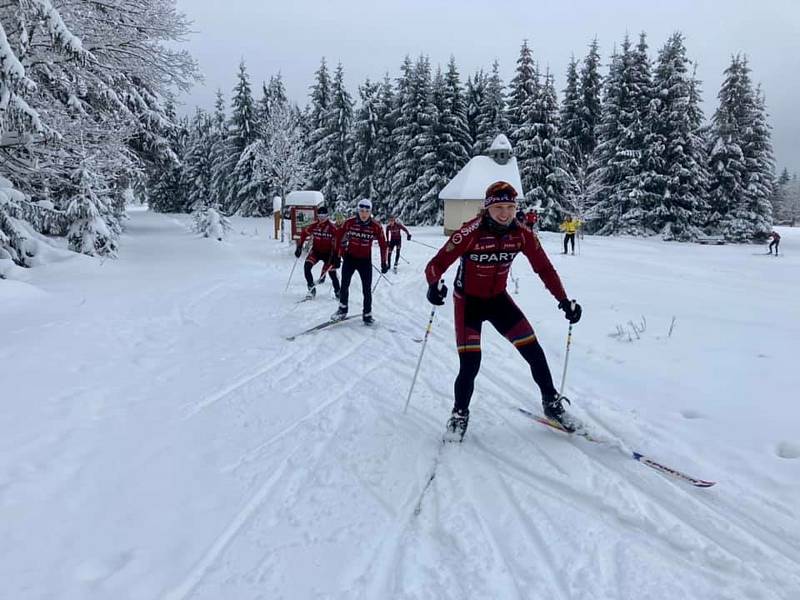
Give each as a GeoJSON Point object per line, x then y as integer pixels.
{"type": "Point", "coordinates": [367, 318]}
{"type": "Point", "coordinates": [456, 426]}
{"type": "Point", "coordinates": [340, 314]}
{"type": "Point", "coordinates": [554, 410]}
{"type": "Point", "coordinates": [394, 269]}
{"type": "Point", "coordinates": [312, 292]}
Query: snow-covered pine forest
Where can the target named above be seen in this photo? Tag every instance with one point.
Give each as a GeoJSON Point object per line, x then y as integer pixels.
{"type": "Point", "coordinates": [88, 124]}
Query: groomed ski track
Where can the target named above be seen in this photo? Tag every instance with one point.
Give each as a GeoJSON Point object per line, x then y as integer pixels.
{"type": "Point", "coordinates": [255, 467]}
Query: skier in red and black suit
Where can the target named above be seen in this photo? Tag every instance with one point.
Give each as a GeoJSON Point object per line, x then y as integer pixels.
{"type": "Point", "coordinates": [530, 219]}
{"type": "Point", "coordinates": [775, 241]}
{"type": "Point", "coordinates": [323, 243]}
{"type": "Point", "coordinates": [487, 246]}
{"type": "Point", "coordinates": [354, 245]}
{"type": "Point", "coordinates": [394, 238]}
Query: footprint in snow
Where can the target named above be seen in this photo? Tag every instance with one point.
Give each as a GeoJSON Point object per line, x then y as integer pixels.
{"type": "Point", "coordinates": [98, 569]}
{"type": "Point", "coordinates": [788, 450]}
{"type": "Point", "coordinates": [692, 414]}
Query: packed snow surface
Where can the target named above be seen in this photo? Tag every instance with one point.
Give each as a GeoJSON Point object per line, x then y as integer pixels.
{"type": "Point", "coordinates": [160, 438]}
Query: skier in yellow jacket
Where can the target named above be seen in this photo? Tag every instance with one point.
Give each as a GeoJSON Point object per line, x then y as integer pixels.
{"type": "Point", "coordinates": [570, 227]}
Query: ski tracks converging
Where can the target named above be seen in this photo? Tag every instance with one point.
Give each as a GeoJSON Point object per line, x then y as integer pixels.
{"type": "Point", "coordinates": [382, 508]}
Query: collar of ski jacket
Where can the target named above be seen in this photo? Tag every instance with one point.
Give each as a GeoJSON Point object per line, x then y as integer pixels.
{"type": "Point", "coordinates": [498, 228]}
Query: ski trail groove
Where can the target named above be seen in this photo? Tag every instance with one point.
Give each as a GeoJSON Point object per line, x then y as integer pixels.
{"type": "Point", "coordinates": [195, 576]}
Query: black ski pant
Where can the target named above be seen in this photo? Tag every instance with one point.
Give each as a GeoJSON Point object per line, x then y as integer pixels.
{"type": "Point", "coordinates": [326, 259]}
{"type": "Point", "coordinates": [775, 243]}
{"type": "Point", "coordinates": [569, 237]}
{"type": "Point", "coordinates": [396, 246]}
{"type": "Point", "coordinates": [507, 318]}
{"type": "Point", "coordinates": [364, 267]}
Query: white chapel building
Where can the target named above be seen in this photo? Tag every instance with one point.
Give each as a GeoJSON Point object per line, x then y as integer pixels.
{"type": "Point", "coordinates": [463, 196]}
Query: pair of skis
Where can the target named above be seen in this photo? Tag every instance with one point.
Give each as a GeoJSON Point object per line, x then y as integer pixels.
{"type": "Point", "coordinates": [323, 325]}
{"type": "Point", "coordinates": [637, 456]}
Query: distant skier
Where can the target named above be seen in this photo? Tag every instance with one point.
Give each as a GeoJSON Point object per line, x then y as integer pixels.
{"type": "Point", "coordinates": [531, 217]}
{"type": "Point", "coordinates": [354, 245]}
{"type": "Point", "coordinates": [394, 238]}
{"type": "Point", "coordinates": [520, 216]}
{"type": "Point", "coordinates": [775, 240]}
{"type": "Point", "coordinates": [323, 235]}
{"type": "Point", "coordinates": [569, 227]}
{"type": "Point", "coordinates": [487, 246]}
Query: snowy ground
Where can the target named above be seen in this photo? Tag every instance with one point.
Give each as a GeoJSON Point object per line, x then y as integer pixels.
{"type": "Point", "coordinates": [159, 438]}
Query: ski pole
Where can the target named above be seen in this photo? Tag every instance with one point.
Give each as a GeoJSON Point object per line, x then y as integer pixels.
{"type": "Point", "coordinates": [424, 244]}
{"type": "Point", "coordinates": [421, 353]}
{"type": "Point", "coordinates": [382, 275]}
{"type": "Point", "coordinates": [328, 267]}
{"type": "Point", "coordinates": [566, 360]}
{"type": "Point", "coordinates": [404, 259]}
{"type": "Point", "coordinates": [291, 273]}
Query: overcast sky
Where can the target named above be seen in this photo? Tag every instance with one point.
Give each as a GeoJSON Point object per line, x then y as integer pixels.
{"type": "Point", "coordinates": [371, 37]}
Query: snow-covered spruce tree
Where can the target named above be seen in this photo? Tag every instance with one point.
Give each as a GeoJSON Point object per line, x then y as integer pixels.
{"type": "Point", "coordinates": [196, 179]}
{"type": "Point", "coordinates": [570, 123]}
{"type": "Point", "coordinates": [682, 179]}
{"type": "Point", "coordinates": [590, 109]}
{"type": "Point", "coordinates": [166, 192]}
{"type": "Point", "coordinates": [545, 158]}
{"type": "Point", "coordinates": [524, 85]}
{"type": "Point", "coordinates": [618, 200]}
{"type": "Point", "coordinates": [475, 90]}
{"type": "Point", "coordinates": [416, 153]}
{"type": "Point", "coordinates": [740, 159]}
{"type": "Point", "coordinates": [525, 150]}
{"type": "Point", "coordinates": [364, 142]}
{"type": "Point", "coordinates": [335, 147]}
{"type": "Point", "coordinates": [643, 188]}
{"type": "Point", "coordinates": [760, 164]}
{"type": "Point", "coordinates": [89, 231]}
{"type": "Point", "coordinates": [791, 210]}
{"type": "Point", "coordinates": [781, 199]}
{"type": "Point", "coordinates": [272, 94]}
{"type": "Point", "coordinates": [385, 144]}
{"type": "Point", "coordinates": [317, 123]}
{"type": "Point", "coordinates": [454, 141]}
{"type": "Point", "coordinates": [220, 175]}
{"type": "Point", "coordinates": [492, 119]}
{"type": "Point", "coordinates": [403, 167]}
{"type": "Point", "coordinates": [244, 196]}
{"type": "Point", "coordinates": [433, 156]}
{"type": "Point", "coordinates": [197, 165]}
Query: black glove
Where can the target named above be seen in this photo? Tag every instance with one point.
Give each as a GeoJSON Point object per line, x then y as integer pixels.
{"type": "Point", "coordinates": [384, 268]}
{"type": "Point", "coordinates": [572, 310]}
{"type": "Point", "coordinates": [336, 262]}
{"type": "Point", "coordinates": [298, 251]}
{"type": "Point", "coordinates": [408, 237]}
{"type": "Point", "coordinates": [437, 292]}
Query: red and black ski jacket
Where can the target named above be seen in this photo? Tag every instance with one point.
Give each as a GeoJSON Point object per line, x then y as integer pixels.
{"type": "Point", "coordinates": [486, 256]}
{"type": "Point", "coordinates": [323, 236]}
{"type": "Point", "coordinates": [393, 231]}
{"type": "Point", "coordinates": [356, 237]}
